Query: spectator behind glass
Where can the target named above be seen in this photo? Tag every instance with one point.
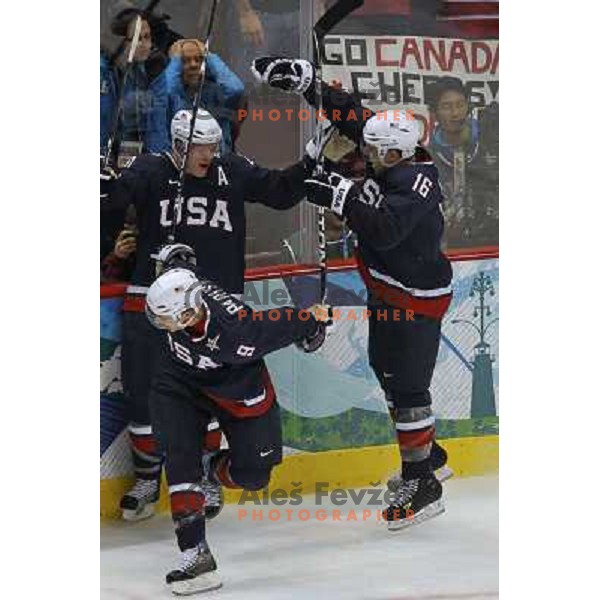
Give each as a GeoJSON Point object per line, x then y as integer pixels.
{"type": "Point", "coordinates": [266, 27]}
{"type": "Point", "coordinates": [468, 165]}
{"type": "Point", "coordinates": [222, 90]}
{"type": "Point", "coordinates": [143, 126]}
{"type": "Point", "coordinates": [118, 265]}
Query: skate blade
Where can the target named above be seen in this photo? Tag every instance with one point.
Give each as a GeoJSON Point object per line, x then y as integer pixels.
{"type": "Point", "coordinates": [215, 510]}
{"type": "Point", "coordinates": [429, 512]}
{"type": "Point", "coordinates": [132, 515]}
{"type": "Point", "coordinates": [211, 515]}
{"type": "Point", "coordinates": [202, 583]}
{"type": "Point", "coordinates": [444, 473]}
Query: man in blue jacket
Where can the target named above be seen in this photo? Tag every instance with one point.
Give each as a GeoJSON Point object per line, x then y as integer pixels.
{"type": "Point", "coordinates": [222, 90]}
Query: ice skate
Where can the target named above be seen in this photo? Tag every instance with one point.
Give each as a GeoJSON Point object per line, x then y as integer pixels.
{"type": "Point", "coordinates": [213, 498]}
{"type": "Point", "coordinates": [439, 459]}
{"type": "Point", "coordinates": [139, 502]}
{"type": "Point", "coordinates": [416, 500]}
{"type": "Point", "coordinates": [197, 572]}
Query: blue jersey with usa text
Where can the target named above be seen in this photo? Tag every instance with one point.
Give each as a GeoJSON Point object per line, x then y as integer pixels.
{"type": "Point", "coordinates": [212, 217]}
{"type": "Point", "coordinates": [397, 217]}
{"type": "Point", "coordinates": [223, 355]}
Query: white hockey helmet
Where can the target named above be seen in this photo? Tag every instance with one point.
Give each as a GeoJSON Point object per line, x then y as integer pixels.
{"type": "Point", "coordinates": [173, 300]}
{"type": "Point", "coordinates": [206, 128]}
{"type": "Point", "coordinates": [392, 130]}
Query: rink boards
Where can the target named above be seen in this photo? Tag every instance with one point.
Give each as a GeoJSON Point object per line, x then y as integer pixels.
{"type": "Point", "coordinates": [335, 425]}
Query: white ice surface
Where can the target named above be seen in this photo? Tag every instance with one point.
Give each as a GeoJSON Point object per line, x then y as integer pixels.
{"type": "Point", "coordinates": [453, 557]}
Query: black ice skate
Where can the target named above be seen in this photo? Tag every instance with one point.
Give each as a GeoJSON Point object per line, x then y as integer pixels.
{"type": "Point", "coordinates": [213, 498]}
{"type": "Point", "coordinates": [439, 459]}
{"type": "Point", "coordinates": [139, 502]}
{"type": "Point", "coordinates": [415, 501]}
{"type": "Point", "coordinates": [439, 463]}
{"type": "Point", "coordinates": [197, 572]}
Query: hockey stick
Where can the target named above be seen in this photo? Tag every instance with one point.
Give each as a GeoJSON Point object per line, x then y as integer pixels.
{"type": "Point", "coordinates": [177, 207]}
{"type": "Point", "coordinates": [115, 126]}
{"type": "Point", "coordinates": [323, 26]}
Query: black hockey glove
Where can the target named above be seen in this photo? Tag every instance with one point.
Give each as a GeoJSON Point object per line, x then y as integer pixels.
{"type": "Point", "coordinates": [315, 341]}
{"type": "Point", "coordinates": [323, 316]}
{"type": "Point", "coordinates": [288, 74]}
{"type": "Point", "coordinates": [331, 191]}
{"type": "Point", "coordinates": [174, 255]}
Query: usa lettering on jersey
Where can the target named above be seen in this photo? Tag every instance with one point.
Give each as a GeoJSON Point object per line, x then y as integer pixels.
{"type": "Point", "coordinates": [196, 213]}
{"type": "Point", "coordinates": [371, 193]}
{"type": "Point", "coordinates": [184, 354]}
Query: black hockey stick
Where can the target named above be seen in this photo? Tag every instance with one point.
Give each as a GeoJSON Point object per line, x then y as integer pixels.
{"type": "Point", "coordinates": [323, 26]}
{"type": "Point", "coordinates": [117, 116]}
{"type": "Point", "coordinates": [177, 206]}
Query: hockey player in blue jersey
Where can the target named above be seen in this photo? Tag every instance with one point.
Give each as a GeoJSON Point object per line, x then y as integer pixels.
{"type": "Point", "coordinates": [214, 368]}
{"type": "Point", "coordinates": [396, 215]}
{"type": "Point", "coordinates": [211, 220]}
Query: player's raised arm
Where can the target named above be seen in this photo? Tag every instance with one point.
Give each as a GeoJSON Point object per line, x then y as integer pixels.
{"type": "Point", "coordinates": [298, 76]}
{"type": "Point", "coordinates": [280, 189]}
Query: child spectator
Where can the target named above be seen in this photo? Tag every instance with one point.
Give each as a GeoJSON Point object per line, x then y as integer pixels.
{"type": "Point", "coordinates": [467, 158]}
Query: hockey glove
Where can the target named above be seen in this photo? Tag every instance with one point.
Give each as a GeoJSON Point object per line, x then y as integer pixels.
{"type": "Point", "coordinates": [288, 74]}
{"type": "Point", "coordinates": [315, 341]}
{"type": "Point", "coordinates": [331, 191]}
{"type": "Point", "coordinates": [323, 316]}
{"type": "Point", "coordinates": [174, 255]}
{"type": "Point", "coordinates": [107, 174]}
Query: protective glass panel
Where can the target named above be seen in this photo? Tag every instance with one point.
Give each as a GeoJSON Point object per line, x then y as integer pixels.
{"type": "Point", "coordinates": [261, 124]}
{"type": "Point", "coordinates": [439, 60]}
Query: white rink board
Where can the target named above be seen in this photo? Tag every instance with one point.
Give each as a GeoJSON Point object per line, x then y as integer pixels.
{"type": "Point", "coordinates": [451, 557]}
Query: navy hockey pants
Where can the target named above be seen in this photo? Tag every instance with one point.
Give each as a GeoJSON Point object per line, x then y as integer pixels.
{"type": "Point", "coordinates": [403, 353]}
